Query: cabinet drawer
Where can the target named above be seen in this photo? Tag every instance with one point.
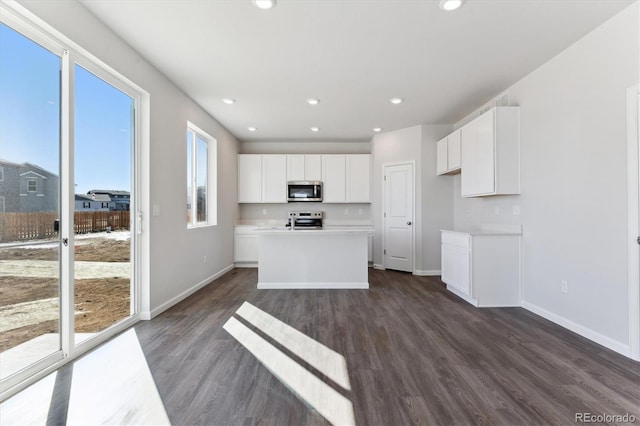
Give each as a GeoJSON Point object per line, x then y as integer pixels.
{"type": "Point", "coordinates": [457, 239]}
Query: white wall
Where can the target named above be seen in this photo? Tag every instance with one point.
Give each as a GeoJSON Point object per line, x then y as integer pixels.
{"type": "Point", "coordinates": [574, 177]}
{"type": "Point", "coordinates": [176, 253]}
{"type": "Point", "coordinates": [433, 204]}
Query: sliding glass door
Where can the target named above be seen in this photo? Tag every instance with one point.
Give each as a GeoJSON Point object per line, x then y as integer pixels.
{"type": "Point", "coordinates": [67, 197]}
{"type": "Point", "coordinates": [30, 241]}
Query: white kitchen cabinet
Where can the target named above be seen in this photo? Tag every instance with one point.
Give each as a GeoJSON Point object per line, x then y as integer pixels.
{"type": "Point", "coordinates": [482, 268]}
{"type": "Point", "coordinates": [262, 178]}
{"type": "Point", "coordinates": [490, 153]}
{"type": "Point", "coordinates": [295, 167]}
{"type": "Point", "coordinates": [448, 154]}
{"type": "Point", "coordinates": [249, 178]}
{"type": "Point", "coordinates": [274, 178]}
{"type": "Point", "coordinates": [246, 246]}
{"type": "Point", "coordinates": [370, 248]}
{"type": "Point", "coordinates": [346, 178]}
{"type": "Point", "coordinates": [313, 167]}
{"type": "Point", "coordinates": [334, 178]}
{"type": "Point", "coordinates": [304, 167]}
{"type": "Point", "coordinates": [358, 178]}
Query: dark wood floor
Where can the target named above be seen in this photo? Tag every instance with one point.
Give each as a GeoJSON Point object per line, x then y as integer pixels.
{"type": "Point", "coordinates": [416, 354]}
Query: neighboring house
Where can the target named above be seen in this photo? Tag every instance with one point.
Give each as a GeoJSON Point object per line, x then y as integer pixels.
{"type": "Point", "coordinates": [104, 199]}
{"type": "Point", "coordinates": [26, 187]}
{"type": "Point", "coordinates": [84, 203]}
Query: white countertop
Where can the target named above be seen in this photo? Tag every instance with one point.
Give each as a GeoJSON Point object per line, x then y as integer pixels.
{"type": "Point", "coordinates": [340, 230]}
{"type": "Point", "coordinates": [490, 229]}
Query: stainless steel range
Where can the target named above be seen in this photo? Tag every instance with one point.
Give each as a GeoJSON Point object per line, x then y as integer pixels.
{"type": "Point", "coordinates": [305, 219]}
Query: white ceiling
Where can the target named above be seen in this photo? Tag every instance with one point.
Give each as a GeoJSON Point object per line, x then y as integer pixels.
{"type": "Point", "coordinates": [354, 55]}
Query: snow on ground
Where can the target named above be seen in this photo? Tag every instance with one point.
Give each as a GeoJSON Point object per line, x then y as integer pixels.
{"type": "Point", "coordinates": [79, 239]}
{"type": "Point", "coordinates": [51, 269]}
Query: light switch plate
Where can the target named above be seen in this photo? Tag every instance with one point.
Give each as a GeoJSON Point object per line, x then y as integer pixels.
{"type": "Point", "coordinates": [156, 210]}
{"type": "Point", "coordinates": [516, 210]}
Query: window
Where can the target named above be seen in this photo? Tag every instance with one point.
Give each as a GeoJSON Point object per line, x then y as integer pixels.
{"type": "Point", "coordinates": [86, 204]}
{"type": "Point", "coordinates": [1, 173]}
{"type": "Point", "coordinates": [32, 185]}
{"type": "Point", "coordinates": [201, 182]}
{"type": "Point", "coordinates": [105, 205]}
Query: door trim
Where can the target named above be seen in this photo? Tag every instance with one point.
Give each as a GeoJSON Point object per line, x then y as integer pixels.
{"type": "Point", "coordinates": [383, 265]}
{"type": "Point", "coordinates": [633, 187]}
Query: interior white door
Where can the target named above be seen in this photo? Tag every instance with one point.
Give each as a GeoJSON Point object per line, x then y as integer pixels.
{"type": "Point", "coordinates": [398, 217]}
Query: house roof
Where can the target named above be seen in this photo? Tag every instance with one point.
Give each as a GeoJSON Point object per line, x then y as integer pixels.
{"type": "Point", "coordinates": [108, 191]}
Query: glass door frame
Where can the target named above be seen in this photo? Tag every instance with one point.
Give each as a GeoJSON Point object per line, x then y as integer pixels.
{"type": "Point", "coordinates": [30, 26]}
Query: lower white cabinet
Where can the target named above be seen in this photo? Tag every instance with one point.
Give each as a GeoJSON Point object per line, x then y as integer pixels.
{"type": "Point", "coordinates": [482, 268]}
{"type": "Point", "coordinates": [246, 246]}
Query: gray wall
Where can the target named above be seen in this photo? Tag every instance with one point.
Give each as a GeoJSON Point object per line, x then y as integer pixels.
{"type": "Point", "coordinates": [433, 204]}
{"type": "Point", "coordinates": [176, 253]}
{"type": "Point", "coordinates": [574, 182]}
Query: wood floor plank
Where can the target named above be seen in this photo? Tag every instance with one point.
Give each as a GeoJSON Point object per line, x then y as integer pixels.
{"type": "Point", "coordinates": [415, 353]}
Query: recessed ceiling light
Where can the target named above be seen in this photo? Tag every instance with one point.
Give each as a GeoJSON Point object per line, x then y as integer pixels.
{"type": "Point", "coordinates": [449, 5]}
{"type": "Point", "coordinates": [252, 129]}
{"type": "Point", "coordinates": [315, 129]}
{"type": "Point", "coordinates": [377, 129]}
{"type": "Point", "coordinates": [264, 4]}
{"type": "Point", "coordinates": [228, 101]}
{"type": "Point", "coordinates": [313, 101]}
{"type": "Point", "coordinates": [396, 101]}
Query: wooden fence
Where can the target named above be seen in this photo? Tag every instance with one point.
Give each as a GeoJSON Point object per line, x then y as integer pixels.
{"type": "Point", "coordinates": [36, 226]}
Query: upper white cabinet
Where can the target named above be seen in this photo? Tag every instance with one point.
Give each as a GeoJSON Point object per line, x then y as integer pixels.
{"type": "Point", "coordinates": [250, 178]}
{"type": "Point", "coordinates": [490, 147]}
{"type": "Point", "coordinates": [274, 178]}
{"type": "Point", "coordinates": [262, 178]}
{"type": "Point", "coordinates": [358, 182]}
{"type": "Point", "coordinates": [448, 154]}
{"type": "Point", "coordinates": [346, 178]}
{"type": "Point", "coordinates": [304, 167]}
{"type": "Point", "coordinates": [334, 179]}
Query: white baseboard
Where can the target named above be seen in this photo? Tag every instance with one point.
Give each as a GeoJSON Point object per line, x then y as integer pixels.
{"type": "Point", "coordinates": [247, 265]}
{"type": "Point", "coordinates": [432, 273]}
{"type": "Point", "coordinates": [583, 331]}
{"type": "Point", "coordinates": [378, 266]}
{"type": "Point", "coordinates": [319, 285]}
{"type": "Point", "coordinates": [179, 298]}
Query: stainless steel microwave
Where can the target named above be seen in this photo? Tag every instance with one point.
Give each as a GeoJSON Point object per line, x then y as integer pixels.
{"type": "Point", "coordinates": [304, 191]}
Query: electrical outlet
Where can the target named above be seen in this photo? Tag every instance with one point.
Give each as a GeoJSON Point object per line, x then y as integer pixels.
{"type": "Point", "coordinates": [346, 212]}
{"type": "Point", "coordinates": [264, 212]}
{"type": "Point", "coordinates": [564, 286]}
{"type": "Point", "coordinates": [516, 210]}
{"type": "Point", "coordinates": [205, 259]}
{"type": "Point", "coordinates": [468, 213]}
{"type": "Point", "coordinates": [360, 212]}
{"type": "Point", "coordinates": [496, 210]}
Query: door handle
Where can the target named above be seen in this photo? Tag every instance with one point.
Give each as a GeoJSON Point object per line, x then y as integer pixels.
{"type": "Point", "coordinates": [409, 223]}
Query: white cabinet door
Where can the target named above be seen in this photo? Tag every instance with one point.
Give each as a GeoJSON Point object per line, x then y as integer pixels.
{"type": "Point", "coordinates": [274, 178]}
{"type": "Point", "coordinates": [246, 248]}
{"type": "Point", "coordinates": [313, 167]}
{"type": "Point", "coordinates": [456, 268]}
{"type": "Point", "coordinates": [478, 157]}
{"type": "Point", "coordinates": [453, 151]}
{"type": "Point", "coordinates": [249, 178]}
{"type": "Point", "coordinates": [441, 157]}
{"type": "Point", "coordinates": [334, 178]}
{"type": "Point", "coordinates": [296, 167]}
{"type": "Point", "coordinates": [358, 182]}
{"type": "Point", "coordinates": [490, 147]}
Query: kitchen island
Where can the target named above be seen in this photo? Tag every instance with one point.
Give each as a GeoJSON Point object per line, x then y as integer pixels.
{"type": "Point", "coordinates": [313, 259]}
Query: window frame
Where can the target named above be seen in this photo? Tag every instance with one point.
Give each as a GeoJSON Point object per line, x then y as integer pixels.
{"type": "Point", "coordinates": [210, 180]}
{"type": "Point", "coordinates": [35, 184]}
